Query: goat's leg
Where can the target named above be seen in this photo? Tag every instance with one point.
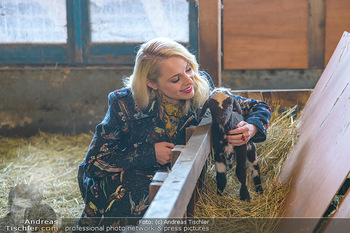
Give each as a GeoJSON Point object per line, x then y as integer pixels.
{"type": "Point", "coordinates": [220, 167]}
{"type": "Point", "coordinates": [254, 166]}
{"type": "Point", "coordinates": [241, 171]}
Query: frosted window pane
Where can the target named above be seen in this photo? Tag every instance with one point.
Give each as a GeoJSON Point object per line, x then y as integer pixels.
{"type": "Point", "coordinates": [139, 20]}
{"type": "Point", "coordinates": [33, 21]}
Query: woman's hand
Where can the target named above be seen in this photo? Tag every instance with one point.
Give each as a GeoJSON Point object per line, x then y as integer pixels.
{"type": "Point", "coordinates": [163, 152]}
{"type": "Point", "coordinates": [242, 134]}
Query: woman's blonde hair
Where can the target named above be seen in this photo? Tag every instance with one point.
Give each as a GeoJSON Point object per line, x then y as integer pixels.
{"type": "Point", "coordinates": [147, 67]}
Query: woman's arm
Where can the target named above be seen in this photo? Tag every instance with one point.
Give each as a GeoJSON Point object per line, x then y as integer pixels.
{"type": "Point", "coordinates": [111, 150]}
{"type": "Point", "coordinates": [257, 116]}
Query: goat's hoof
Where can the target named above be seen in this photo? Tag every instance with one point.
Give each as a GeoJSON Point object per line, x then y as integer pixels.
{"type": "Point", "coordinates": [259, 190]}
{"type": "Point", "coordinates": [244, 194]}
{"type": "Point", "coordinates": [247, 199]}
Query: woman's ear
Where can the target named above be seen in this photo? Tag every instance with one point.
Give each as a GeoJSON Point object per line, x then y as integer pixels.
{"type": "Point", "coordinates": [152, 85]}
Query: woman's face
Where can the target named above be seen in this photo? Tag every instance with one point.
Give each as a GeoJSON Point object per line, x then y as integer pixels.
{"type": "Point", "coordinates": [175, 80]}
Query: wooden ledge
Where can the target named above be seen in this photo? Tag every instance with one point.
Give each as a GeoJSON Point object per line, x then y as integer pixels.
{"type": "Point", "coordinates": [281, 97]}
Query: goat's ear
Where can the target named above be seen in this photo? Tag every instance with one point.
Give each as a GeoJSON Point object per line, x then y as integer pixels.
{"type": "Point", "coordinates": [204, 108]}
{"type": "Point", "coordinates": [236, 106]}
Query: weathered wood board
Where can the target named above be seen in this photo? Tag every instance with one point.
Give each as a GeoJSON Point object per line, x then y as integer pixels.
{"type": "Point", "coordinates": [176, 191]}
{"type": "Point", "coordinates": [265, 34]}
{"type": "Point", "coordinates": [320, 161]}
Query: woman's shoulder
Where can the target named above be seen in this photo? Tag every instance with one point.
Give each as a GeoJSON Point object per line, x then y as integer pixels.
{"type": "Point", "coordinates": [123, 100]}
{"type": "Point", "coordinates": [123, 94]}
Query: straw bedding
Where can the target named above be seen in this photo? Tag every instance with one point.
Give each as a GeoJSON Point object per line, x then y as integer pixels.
{"type": "Point", "coordinates": [260, 214]}
{"type": "Point", "coordinates": [50, 161]}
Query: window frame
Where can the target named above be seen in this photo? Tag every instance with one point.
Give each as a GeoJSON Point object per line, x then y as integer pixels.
{"type": "Point", "coordinates": [79, 50]}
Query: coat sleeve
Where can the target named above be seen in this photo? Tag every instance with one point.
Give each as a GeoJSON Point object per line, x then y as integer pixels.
{"type": "Point", "coordinates": [111, 150]}
{"type": "Point", "coordinates": [258, 113]}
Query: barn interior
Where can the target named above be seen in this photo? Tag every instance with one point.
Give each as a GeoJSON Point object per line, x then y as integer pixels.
{"type": "Point", "coordinates": [60, 59]}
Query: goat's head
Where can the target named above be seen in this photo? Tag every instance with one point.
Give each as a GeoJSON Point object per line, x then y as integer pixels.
{"type": "Point", "coordinates": [221, 104]}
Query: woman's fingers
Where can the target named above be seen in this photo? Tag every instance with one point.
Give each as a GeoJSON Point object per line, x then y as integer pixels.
{"type": "Point", "coordinates": [241, 134]}
{"type": "Point", "coordinates": [240, 128]}
{"type": "Point", "coordinates": [238, 139]}
{"type": "Point", "coordinates": [163, 152]}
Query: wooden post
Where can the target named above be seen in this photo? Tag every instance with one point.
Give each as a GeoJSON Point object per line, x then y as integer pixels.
{"type": "Point", "coordinates": [189, 132]}
{"type": "Point", "coordinates": [176, 191]}
{"type": "Point", "coordinates": [175, 153]}
{"type": "Point", "coordinates": [192, 204]}
{"type": "Point", "coordinates": [209, 38]}
{"type": "Point", "coordinates": [317, 18]}
{"type": "Point", "coordinates": [157, 181]}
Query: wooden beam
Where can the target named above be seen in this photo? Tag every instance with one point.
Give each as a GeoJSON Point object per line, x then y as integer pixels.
{"type": "Point", "coordinates": [175, 153]}
{"type": "Point", "coordinates": [209, 38]}
{"type": "Point", "coordinates": [157, 181]}
{"type": "Point", "coordinates": [283, 98]}
{"type": "Point", "coordinates": [319, 163]}
{"type": "Point", "coordinates": [317, 17]}
{"type": "Point", "coordinates": [176, 191]}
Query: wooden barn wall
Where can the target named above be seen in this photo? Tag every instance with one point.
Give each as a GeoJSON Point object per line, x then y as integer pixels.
{"type": "Point", "coordinates": [282, 34]}
{"type": "Point", "coordinates": [58, 100]}
{"type": "Point", "coordinates": [337, 21]}
{"type": "Point", "coordinates": [265, 34]}
{"type": "Point", "coordinates": [279, 43]}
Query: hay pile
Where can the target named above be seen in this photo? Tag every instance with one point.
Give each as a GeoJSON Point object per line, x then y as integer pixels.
{"type": "Point", "coordinates": [260, 214]}
{"type": "Point", "coordinates": [49, 161]}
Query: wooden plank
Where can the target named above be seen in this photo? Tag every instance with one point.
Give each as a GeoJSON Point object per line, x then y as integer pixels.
{"type": "Point", "coordinates": [317, 166]}
{"type": "Point", "coordinates": [157, 181]}
{"type": "Point", "coordinates": [209, 38]}
{"type": "Point", "coordinates": [283, 98]}
{"type": "Point", "coordinates": [317, 17]}
{"type": "Point", "coordinates": [337, 21]}
{"type": "Point", "coordinates": [265, 34]}
{"type": "Point", "coordinates": [174, 195]}
{"type": "Point", "coordinates": [189, 132]}
{"type": "Point", "coordinates": [176, 191]}
{"type": "Point", "coordinates": [340, 221]}
{"type": "Point", "coordinates": [175, 153]}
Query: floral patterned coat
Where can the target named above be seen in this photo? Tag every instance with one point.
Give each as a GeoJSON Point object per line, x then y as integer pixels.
{"type": "Point", "coordinates": [120, 163]}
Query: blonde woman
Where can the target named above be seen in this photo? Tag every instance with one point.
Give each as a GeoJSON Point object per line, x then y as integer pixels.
{"type": "Point", "coordinates": [144, 121]}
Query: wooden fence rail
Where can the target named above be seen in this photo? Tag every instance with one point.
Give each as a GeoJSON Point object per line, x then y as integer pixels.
{"type": "Point", "coordinates": [177, 189]}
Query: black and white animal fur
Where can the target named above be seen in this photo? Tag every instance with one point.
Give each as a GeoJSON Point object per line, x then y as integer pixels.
{"type": "Point", "coordinates": [226, 114]}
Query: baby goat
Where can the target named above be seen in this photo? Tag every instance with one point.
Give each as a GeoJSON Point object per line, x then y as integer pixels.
{"type": "Point", "coordinates": [226, 114]}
